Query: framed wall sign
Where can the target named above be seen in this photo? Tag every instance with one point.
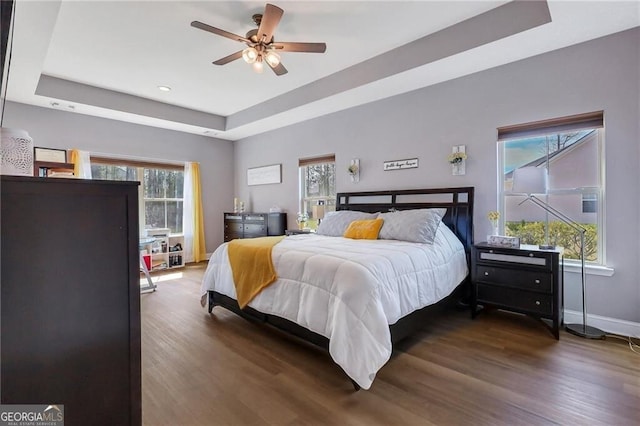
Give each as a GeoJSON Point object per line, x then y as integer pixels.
{"type": "Point", "coordinates": [50, 155]}
{"type": "Point", "coordinates": [410, 163]}
{"type": "Point", "coordinates": [264, 175]}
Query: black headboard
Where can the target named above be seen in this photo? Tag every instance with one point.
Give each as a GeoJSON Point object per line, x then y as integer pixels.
{"type": "Point", "coordinates": [457, 201]}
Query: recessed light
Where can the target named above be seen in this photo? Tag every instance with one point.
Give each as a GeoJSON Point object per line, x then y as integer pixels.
{"type": "Point", "coordinates": [164, 88]}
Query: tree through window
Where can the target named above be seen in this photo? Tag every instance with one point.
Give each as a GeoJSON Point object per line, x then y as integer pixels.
{"type": "Point", "coordinates": [317, 187]}
{"type": "Point", "coordinates": [161, 189]}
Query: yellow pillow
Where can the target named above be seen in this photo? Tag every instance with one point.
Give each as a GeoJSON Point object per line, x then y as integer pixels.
{"type": "Point", "coordinates": [364, 229]}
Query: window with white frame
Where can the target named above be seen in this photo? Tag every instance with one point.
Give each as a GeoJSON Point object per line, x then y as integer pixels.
{"type": "Point", "coordinates": [570, 148]}
{"type": "Point", "coordinates": [160, 193]}
{"type": "Point", "coordinates": [317, 189]}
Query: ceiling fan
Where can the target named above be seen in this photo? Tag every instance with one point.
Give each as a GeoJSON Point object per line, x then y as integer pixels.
{"type": "Point", "coordinates": [261, 46]}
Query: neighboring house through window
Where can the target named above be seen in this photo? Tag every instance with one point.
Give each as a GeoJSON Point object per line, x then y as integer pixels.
{"type": "Point", "coordinates": [317, 188]}
{"type": "Point", "coordinates": [160, 193]}
{"type": "Point", "coordinates": [570, 148]}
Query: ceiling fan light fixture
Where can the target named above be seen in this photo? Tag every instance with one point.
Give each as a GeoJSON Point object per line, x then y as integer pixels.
{"type": "Point", "coordinates": [272, 58]}
{"type": "Point", "coordinates": [250, 55]}
{"type": "Point", "coordinates": [258, 66]}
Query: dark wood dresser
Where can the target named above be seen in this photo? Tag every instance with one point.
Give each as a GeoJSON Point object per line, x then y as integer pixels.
{"type": "Point", "coordinates": [71, 298]}
{"type": "Point", "coordinates": [252, 225]}
{"type": "Point", "coordinates": [525, 280]}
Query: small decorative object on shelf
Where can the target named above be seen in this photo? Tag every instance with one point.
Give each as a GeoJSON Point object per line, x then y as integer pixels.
{"type": "Point", "coordinates": [457, 160]}
{"type": "Point", "coordinates": [354, 170]}
{"type": "Point", "coordinates": [236, 205]}
{"type": "Point", "coordinates": [494, 216]}
{"type": "Point", "coordinates": [302, 220]}
{"type": "Point", "coordinates": [50, 155]}
{"type": "Point", "coordinates": [502, 241]}
{"type": "Point", "coordinates": [17, 152]}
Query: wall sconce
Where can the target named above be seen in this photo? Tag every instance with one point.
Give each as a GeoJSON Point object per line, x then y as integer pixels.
{"type": "Point", "coordinates": [354, 170]}
{"type": "Point", "coordinates": [457, 159]}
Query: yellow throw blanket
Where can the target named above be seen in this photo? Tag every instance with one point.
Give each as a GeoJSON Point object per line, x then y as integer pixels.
{"type": "Point", "coordinates": [252, 266]}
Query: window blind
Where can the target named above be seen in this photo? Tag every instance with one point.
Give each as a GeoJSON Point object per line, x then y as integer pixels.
{"type": "Point", "coordinates": [571, 123]}
{"type": "Point", "coordinates": [329, 158]}
{"type": "Point", "coordinates": [135, 163]}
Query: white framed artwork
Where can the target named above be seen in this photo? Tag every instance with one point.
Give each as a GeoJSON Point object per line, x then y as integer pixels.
{"type": "Point", "coordinates": [264, 175]}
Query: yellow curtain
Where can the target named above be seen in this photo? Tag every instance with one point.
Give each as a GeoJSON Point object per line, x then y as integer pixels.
{"type": "Point", "coordinates": [199, 247]}
{"type": "Point", "coordinates": [75, 159]}
{"type": "Point", "coordinates": [81, 163]}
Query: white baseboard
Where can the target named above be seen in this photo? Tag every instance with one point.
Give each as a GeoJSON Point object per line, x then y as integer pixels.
{"type": "Point", "coordinates": [606, 324]}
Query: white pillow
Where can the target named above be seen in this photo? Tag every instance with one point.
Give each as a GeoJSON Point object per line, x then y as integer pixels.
{"type": "Point", "coordinates": [417, 226]}
{"type": "Point", "coordinates": [335, 223]}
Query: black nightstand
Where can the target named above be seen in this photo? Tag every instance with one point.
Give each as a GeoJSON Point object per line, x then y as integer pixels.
{"type": "Point", "coordinates": [525, 280]}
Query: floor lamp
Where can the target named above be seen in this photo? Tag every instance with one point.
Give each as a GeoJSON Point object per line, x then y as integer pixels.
{"type": "Point", "coordinates": [534, 180]}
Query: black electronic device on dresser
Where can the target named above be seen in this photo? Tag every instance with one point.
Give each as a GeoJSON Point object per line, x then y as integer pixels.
{"type": "Point", "coordinates": [70, 296]}
{"type": "Point", "coordinates": [252, 225]}
{"type": "Point", "coordinates": [525, 280]}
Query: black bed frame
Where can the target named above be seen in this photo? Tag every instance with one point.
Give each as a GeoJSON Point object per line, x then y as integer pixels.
{"type": "Point", "coordinates": [459, 218]}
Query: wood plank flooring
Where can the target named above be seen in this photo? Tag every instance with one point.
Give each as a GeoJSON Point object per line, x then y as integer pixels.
{"type": "Point", "coordinates": [499, 369]}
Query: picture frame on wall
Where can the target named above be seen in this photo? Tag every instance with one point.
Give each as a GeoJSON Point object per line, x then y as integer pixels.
{"type": "Point", "coordinates": [50, 155]}
{"type": "Point", "coordinates": [264, 175]}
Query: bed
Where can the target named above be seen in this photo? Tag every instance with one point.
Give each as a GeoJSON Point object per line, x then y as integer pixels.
{"type": "Point", "coordinates": [356, 298]}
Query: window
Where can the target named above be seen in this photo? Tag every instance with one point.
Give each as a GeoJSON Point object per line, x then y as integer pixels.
{"type": "Point", "coordinates": [161, 189]}
{"type": "Point", "coordinates": [570, 149]}
{"type": "Point", "coordinates": [317, 188]}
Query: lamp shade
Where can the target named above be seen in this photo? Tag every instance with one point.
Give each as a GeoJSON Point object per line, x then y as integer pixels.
{"type": "Point", "coordinates": [318, 212]}
{"type": "Point", "coordinates": [250, 55]}
{"type": "Point", "coordinates": [530, 180]}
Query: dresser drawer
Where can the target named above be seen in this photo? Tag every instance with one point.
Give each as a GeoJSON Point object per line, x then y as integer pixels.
{"type": "Point", "coordinates": [526, 280]}
{"type": "Point", "coordinates": [255, 217]}
{"type": "Point", "coordinates": [233, 227]}
{"type": "Point", "coordinates": [255, 229]}
{"type": "Point", "coordinates": [228, 236]}
{"type": "Point", "coordinates": [516, 300]}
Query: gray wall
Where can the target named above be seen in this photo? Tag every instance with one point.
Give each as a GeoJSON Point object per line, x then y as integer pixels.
{"type": "Point", "coordinates": [598, 75]}
{"type": "Point", "coordinates": [60, 129]}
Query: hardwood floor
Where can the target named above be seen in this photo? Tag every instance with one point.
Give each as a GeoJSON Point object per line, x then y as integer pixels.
{"type": "Point", "coordinates": [499, 369]}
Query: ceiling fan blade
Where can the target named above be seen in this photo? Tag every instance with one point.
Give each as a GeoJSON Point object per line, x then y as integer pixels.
{"type": "Point", "coordinates": [227, 59]}
{"type": "Point", "coordinates": [299, 47]}
{"type": "Point", "coordinates": [218, 31]}
{"type": "Point", "coordinates": [270, 20]}
{"type": "Point", "coordinates": [278, 69]}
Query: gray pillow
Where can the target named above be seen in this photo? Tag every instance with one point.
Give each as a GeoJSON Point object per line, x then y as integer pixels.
{"type": "Point", "coordinates": [335, 223]}
{"type": "Point", "coordinates": [417, 226]}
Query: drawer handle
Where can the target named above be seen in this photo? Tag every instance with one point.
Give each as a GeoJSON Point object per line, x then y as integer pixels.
{"type": "Point", "coordinates": [537, 281]}
{"type": "Point", "coordinates": [538, 302]}
{"type": "Point", "coordinates": [486, 273]}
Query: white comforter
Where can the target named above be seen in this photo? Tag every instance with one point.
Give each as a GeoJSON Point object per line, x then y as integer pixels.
{"type": "Point", "coordinates": [350, 291]}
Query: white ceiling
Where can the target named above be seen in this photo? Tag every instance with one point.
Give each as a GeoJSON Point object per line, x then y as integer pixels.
{"type": "Point", "coordinates": [107, 58]}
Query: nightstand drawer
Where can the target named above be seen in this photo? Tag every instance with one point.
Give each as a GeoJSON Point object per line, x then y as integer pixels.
{"type": "Point", "coordinates": [526, 280]}
{"type": "Point", "coordinates": [513, 299]}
